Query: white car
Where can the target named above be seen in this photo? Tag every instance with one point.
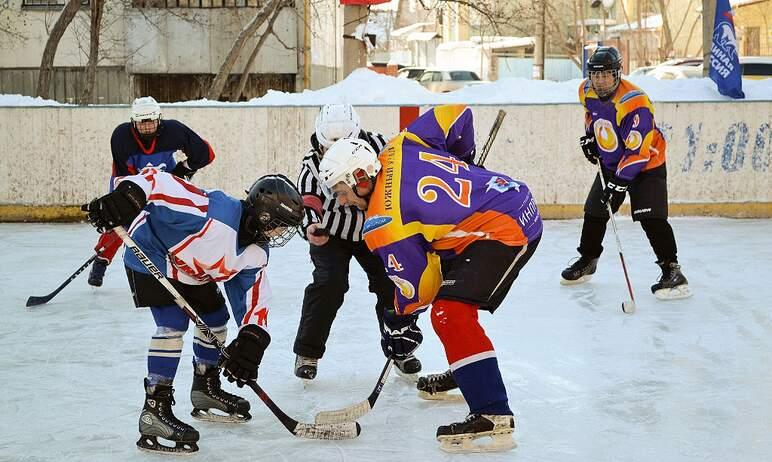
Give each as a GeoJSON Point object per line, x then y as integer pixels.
{"type": "Point", "coordinates": [443, 81]}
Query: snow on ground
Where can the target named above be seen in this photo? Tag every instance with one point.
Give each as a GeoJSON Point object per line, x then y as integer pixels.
{"type": "Point", "coordinates": [365, 87]}
{"type": "Point", "coordinates": [677, 381]}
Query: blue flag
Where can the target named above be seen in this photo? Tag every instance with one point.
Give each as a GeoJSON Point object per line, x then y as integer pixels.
{"type": "Point", "coordinates": [724, 63]}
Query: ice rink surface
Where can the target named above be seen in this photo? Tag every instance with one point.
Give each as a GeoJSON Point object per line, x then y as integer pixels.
{"type": "Point", "coordinates": [686, 380]}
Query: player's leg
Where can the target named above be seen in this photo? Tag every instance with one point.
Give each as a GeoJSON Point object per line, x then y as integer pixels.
{"type": "Point", "coordinates": [107, 247]}
{"type": "Point", "coordinates": [649, 203]}
{"type": "Point", "coordinates": [321, 301]}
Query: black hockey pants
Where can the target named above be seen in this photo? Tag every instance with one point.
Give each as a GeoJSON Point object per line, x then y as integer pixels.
{"type": "Point", "coordinates": [324, 296]}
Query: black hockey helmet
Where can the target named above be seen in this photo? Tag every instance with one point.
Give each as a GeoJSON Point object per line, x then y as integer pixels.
{"type": "Point", "coordinates": [275, 210]}
{"type": "Point", "coordinates": [605, 59]}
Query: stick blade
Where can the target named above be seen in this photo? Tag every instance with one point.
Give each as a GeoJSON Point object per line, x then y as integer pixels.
{"type": "Point", "coordinates": [628, 307]}
{"type": "Point", "coordinates": [35, 301]}
{"type": "Point", "coordinates": [348, 414]}
{"type": "Point", "coordinates": [342, 431]}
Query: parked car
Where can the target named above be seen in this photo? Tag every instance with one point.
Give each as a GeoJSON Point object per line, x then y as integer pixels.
{"type": "Point", "coordinates": [753, 67]}
{"type": "Point", "coordinates": [410, 73]}
{"type": "Point", "coordinates": [443, 81]}
{"type": "Point", "coordinates": [647, 70]}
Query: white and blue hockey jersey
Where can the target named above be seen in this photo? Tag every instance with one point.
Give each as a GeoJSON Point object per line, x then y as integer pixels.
{"type": "Point", "coordinates": [191, 235]}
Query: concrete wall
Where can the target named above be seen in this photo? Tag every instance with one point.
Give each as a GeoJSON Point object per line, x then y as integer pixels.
{"type": "Point", "coordinates": [718, 155]}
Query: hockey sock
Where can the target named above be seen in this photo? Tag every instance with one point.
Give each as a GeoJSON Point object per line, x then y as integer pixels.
{"type": "Point", "coordinates": [204, 352]}
{"type": "Point", "coordinates": [164, 355]}
{"type": "Point", "coordinates": [471, 356]}
{"type": "Point", "coordinates": [661, 238]}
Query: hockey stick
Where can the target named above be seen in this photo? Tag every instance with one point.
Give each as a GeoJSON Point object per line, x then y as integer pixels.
{"type": "Point", "coordinates": [491, 137]}
{"type": "Point", "coordinates": [303, 430]}
{"type": "Point", "coordinates": [628, 307]}
{"type": "Point", "coordinates": [355, 411]}
{"type": "Point", "coordinates": [35, 301]}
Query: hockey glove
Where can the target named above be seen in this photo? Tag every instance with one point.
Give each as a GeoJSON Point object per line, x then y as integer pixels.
{"type": "Point", "coordinates": [181, 170]}
{"type": "Point", "coordinates": [119, 208]}
{"type": "Point", "coordinates": [401, 336]}
{"type": "Point", "coordinates": [244, 355]}
{"type": "Point", "coordinates": [615, 191]}
{"type": "Point", "coordinates": [589, 148]}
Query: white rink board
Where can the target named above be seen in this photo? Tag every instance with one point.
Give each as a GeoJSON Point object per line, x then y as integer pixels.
{"type": "Point", "coordinates": [717, 152]}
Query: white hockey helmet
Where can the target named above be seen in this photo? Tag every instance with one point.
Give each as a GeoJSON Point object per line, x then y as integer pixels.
{"type": "Point", "coordinates": [145, 108]}
{"type": "Point", "coordinates": [336, 121]}
{"type": "Point", "coordinates": [349, 160]}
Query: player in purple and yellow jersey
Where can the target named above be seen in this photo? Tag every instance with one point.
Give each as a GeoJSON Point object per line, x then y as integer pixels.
{"type": "Point", "coordinates": [622, 134]}
{"type": "Point", "coordinates": [453, 237]}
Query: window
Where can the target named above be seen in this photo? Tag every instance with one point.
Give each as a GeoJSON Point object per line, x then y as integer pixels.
{"type": "Point", "coordinates": [50, 4]}
{"type": "Point", "coordinates": [758, 69]}
{"type": "Point", "coordinates": [196, 3]}
{"type": "Point", "coordinates": [751, 41]}
{"type": "Point", "coordinates": [463, 75]}
{"type": "Point", "coordinates": [427, 76]}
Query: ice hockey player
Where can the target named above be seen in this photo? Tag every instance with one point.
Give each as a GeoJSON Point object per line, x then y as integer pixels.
{"type": "Point", "coordinates": [452, 236]}
{"type": "Point", "coordinates": [621, 133]}
{"type": "Point", "coordinates": [148, 140]}
{"type": "Point", "coordinates": [334, 233]}
{"type": "Point", "coordinates": [199, 238]}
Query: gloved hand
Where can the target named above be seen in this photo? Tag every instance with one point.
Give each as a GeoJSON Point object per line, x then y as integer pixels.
{"type": "Point", "coordinates": [119, 208]}
{"type": "Point", "coordinates": [589, 148]}
{"type": "Point", "coordinates": [401, 336]}
{"type": "Point", "coordinates": [245, 353]}
{"type": "Point", "coordinates": [615, 190]}
{"type": "Point", "coordinates": [181, 170]}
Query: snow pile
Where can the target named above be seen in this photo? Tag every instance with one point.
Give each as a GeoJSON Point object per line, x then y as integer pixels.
{"type": "Point", "coordinates": [364, 87]}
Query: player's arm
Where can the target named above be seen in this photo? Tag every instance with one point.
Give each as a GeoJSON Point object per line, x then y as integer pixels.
{"type": "Point", "coordinates": [638, 131]}
{"type": "Point", "coordinates": [198, 151]}
{"type": "Point", "coordinates": [414, 269]}
{"type": "Point", "coordinates": [120, 154]}
{"type": "Point", "coordinates": [248, 293]}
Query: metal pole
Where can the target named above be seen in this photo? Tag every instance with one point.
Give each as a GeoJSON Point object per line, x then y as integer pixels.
{"type": "Point", "coordinates": [708, 15]}
{"type": "Point", "coordinates": [538, 52]}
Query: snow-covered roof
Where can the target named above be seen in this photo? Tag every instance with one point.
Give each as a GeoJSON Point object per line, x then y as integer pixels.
{"type": "Point", "coordinates": [421, 36]}
{"type": "Point", "coordinates": [411, 28]}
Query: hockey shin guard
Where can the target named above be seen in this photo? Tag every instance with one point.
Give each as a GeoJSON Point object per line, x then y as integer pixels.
{"type": "Point", "coordinates": [471, 356]}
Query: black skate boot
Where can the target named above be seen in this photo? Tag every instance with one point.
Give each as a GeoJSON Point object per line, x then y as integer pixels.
{"type": "Point", "coordinates": [436, 387]}
{"type": "Point", "coordinates": [580, 271]}
{"type": "Point", "coordinates": [460, 437]}
{"type": "Point", "coordinates": [672, 284]}
{"type": "Point", "coordinates": [207, 394]}
{"type": "Point", "coordinates": [97, 273]}
{"type": "Point", "coordinates": [408, 368]}
{"type": "Point", "coordinates": [157, 420]}
{"type": "Point", "coordinates": [305, 367]}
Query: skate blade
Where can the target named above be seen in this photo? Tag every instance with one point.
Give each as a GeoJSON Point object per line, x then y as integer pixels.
{"type": "Point", "coordinates": [676, 293]}
{"type": "Point", "coordinates": [498, 441]}
{"type": "Point", "coordinates": [206, 415]}
{"type": "Point", "coordinates": [440, 396]}
{"type": "Point", "coordinates": [149, 443]}
{"type": "Point", "coordinates": [581, 280]}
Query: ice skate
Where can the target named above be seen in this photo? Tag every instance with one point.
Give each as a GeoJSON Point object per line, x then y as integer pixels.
{"type": "Point", "coordinates": [672, 284]}
{"type": "Point", "coordinates": [157, 420]}
{"type": "Point", "coordinates": [97, 273]}
{"type": "Point", "coordinates": [408, 368]}
{"type": "Point", "coordinates": [435, 387]}
{"type": "Point", "coordinates": [463, 437]}
{"type": "Point", "coordinates": [579, 271]}
{"type": "Point", "coordinates": [207, 396]}
{"type": "Point", "coordinates": [305, 368]}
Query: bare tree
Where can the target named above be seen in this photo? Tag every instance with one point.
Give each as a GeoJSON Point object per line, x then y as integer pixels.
{"type": "Point", "coordinates": [97, 10]}
{"type": "Point", "coordinates": [10, 29]}
{"type": "Point", "coordinates": [267, 33]}
{"type": "Point", "coordinates": [218, 84]}
{"type": "Point", "coordinates": [47, 62]}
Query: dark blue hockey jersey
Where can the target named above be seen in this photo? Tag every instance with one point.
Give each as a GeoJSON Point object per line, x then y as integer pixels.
{"type": "Point", "coordinates": [131, 153]}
